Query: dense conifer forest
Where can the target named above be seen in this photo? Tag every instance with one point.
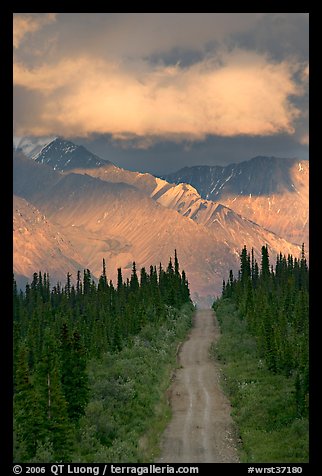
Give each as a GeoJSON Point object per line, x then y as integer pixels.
{"type": "Point", "coordinates": [78, 353]}
{"type": "Point", "coordinates": [92, 361]}
{"type": "Point", "coordinates": [264, 318]}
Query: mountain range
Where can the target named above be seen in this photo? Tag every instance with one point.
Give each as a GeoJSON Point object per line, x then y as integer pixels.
{"type": "Point", "coordinates": [72, 208]}
{"type": "Point", "coordinates": [273, 192]}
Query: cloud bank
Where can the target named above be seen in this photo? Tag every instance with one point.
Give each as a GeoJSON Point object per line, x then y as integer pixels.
{"type": "Point", "coordinates": [150, 77]}
{"type": "Point", "coordinates": [24, 23]}
{"type": "Point", "coordinates": [241, 92]}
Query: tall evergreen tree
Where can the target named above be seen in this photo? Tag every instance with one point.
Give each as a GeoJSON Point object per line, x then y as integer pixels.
{"type": "Point", "coordinates": [265, 263]}
{"type": "Point", "coordinates": [134, 283]}
{"type": "Point", "coordinates": [275, 305]}
{"type": "Point", "coordinates": [73, 374]}
{"type": "Point", "coordinates": [57, 330]}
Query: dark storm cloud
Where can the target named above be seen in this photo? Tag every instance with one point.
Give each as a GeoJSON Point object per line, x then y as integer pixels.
{"type": "Point", "coordinates": [165, 157]}
{"type": "Point", "coordinates": [280, 34]}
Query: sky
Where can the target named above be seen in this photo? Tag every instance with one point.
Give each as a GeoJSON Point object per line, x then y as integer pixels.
{"type": "Point", "coordinates": [155, 92]}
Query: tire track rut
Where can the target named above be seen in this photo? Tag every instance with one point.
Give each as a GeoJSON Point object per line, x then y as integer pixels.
{"type": "Point", "coordinates": [200, 430]}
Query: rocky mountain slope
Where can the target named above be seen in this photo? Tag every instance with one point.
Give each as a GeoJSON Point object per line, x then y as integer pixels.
{"type": "Point", "coordinates": [63, 155]}
{"type": "Point", "coordinates": [106, 211]}
{"type": "Point", "coordinates": [120, 223]}
{"type": "Point", "coordinates": [271, 191]}
{"type": "Point", "coordinates": [39, 245]}
{"type": "Point", "coordinates": [227, 226]}
{"type": "Point", "coordinates": [31, 146]}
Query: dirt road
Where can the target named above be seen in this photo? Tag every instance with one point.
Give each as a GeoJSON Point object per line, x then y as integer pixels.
{"type": "Point", "coordinates": [200, 430]}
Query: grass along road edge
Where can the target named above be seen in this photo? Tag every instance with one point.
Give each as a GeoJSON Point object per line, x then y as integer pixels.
{"type": "Point", "coordinates": [129, 409]}
{"type": "Point", "coordinates": [263, 403]}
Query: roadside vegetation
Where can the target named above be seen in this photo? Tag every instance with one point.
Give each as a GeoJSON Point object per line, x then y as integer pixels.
{"type": "Point", "coordinates": [92, 364]}
{"type": "Point", "coordinates": [263, 350]}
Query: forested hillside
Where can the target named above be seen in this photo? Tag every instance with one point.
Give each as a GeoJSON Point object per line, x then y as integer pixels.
{"type": "Point", "coordinates": [80, 354]}
{"type": "Point", "coordinates": [265, 350]}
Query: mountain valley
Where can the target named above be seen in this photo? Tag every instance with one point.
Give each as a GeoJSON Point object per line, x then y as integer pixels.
{"type": "Point", "coordinates": [104, 211]}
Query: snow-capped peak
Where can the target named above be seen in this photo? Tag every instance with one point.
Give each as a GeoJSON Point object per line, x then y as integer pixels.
{"type": "Point", "coordinates": [31, 146]}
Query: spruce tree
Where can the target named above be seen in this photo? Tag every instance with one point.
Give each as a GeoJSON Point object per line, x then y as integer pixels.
{"type": "Point", "coordinates": [134, 282]}
{"type": "Point", "coordinates": [48, 387]}
{"type": "Point", "coordinates": [29, 418]}
{"type": "Point", "coordinates": [57, 330]}
{"type": "Point", "coordinates": [73, 373]}
{"type": "Point", "coordinates": [176, 264]}
{"type": "Point", "coordinates": [265, 263]}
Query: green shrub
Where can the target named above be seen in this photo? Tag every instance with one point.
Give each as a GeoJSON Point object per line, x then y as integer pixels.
{"type": "Point", "coordinates": [128, 410]}
{"type": "Point", "coordinates": [264, 405]}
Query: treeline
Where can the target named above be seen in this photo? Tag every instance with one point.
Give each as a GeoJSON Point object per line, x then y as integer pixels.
{"type": "Point", "coordinates": [58, 330]}
{"type": "Point", "coordinates": [274, 301]}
